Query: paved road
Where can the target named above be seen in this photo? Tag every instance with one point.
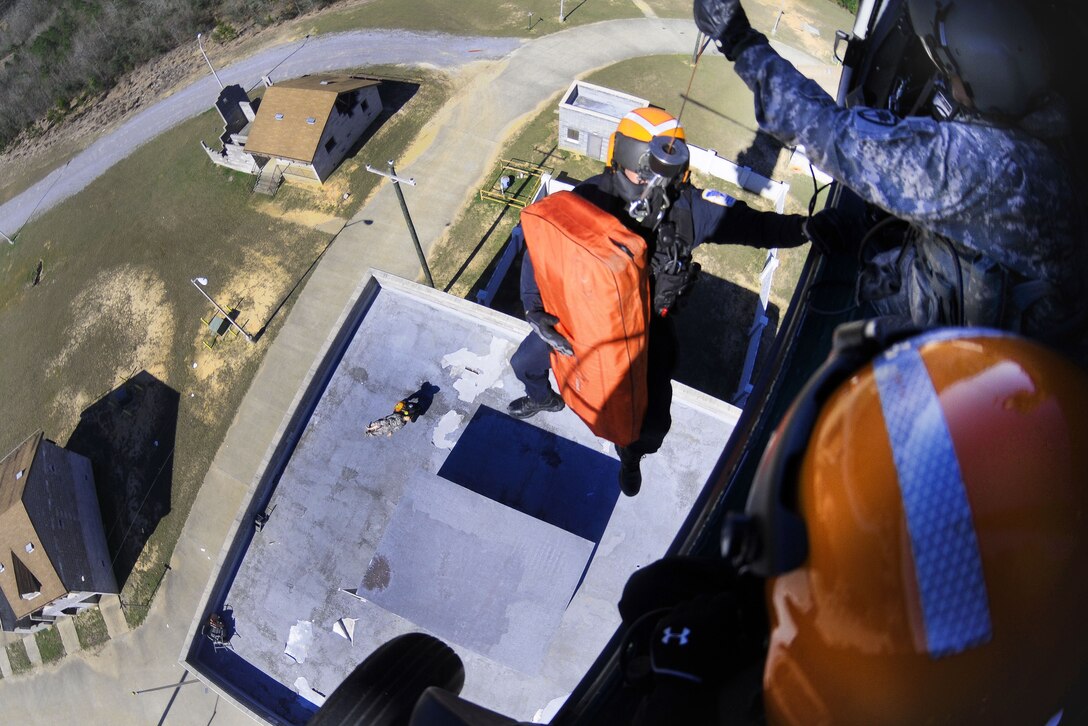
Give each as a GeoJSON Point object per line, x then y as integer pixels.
{"type": "Point", "coordinates": [323, 53]}
{"type": "Point", "coordinates": [455, 155]}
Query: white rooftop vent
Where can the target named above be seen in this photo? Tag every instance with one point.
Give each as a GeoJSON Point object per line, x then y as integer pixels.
{"type": "Point", "coordinates": [279, 117]}
{"type": "Point", "coordinates": [29, 547]}
{"type": "Point", "coordinates": [311, 120]}
{"type": "Point", "coordinates": [2, 568]}
{"type": "Point", "coordinates": [19, 474]}
{"type": "Point", "coordinates": [324, 83]}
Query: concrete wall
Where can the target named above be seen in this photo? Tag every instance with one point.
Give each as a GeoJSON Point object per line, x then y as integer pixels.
{"type": "Point", "coordinates": [587, 127]}
{"type": "Point", "coordinates": [585, 132]}
{"type": "Point", "coordinates": [302, 173]}
{"type": "Point", "coordinates": [707, 160]}
{"type": "Point", "coordinates": [233, 156]}
{"type": "Point", "coordinates": [346, 130]}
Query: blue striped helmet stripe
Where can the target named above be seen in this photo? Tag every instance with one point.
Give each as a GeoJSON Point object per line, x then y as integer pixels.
{"type": "Point", "coordinates": [947, 563]}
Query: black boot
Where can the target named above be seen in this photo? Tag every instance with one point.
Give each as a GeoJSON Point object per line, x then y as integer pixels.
{"type": "Point", "coordinates": [630, 473]}
{"type": "Point", "coordinates": [525, 407]}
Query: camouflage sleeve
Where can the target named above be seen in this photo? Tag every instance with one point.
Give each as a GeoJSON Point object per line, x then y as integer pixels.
{"type": "Point", "coordinates": [901, 165]}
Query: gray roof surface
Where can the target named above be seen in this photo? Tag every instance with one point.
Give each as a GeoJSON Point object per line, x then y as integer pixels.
{"type": "Point", "coordinates": [466, 523]}
{"type": "Point", "coordinates": [602, 100]}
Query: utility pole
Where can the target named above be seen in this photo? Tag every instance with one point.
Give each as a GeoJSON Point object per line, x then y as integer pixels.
{"type": "Point", "coordinates": [530, 20]}
{"type": "Point", "coordinates": [9, 239]}
{"type": "Point", "coordinates": [777, 20]}
{"type": "Point", "coordinates": [201, 44]}
{"type": "Point", "coordinates": [407, 217]}
{"type": "Point", "coordinates": [562, 15]}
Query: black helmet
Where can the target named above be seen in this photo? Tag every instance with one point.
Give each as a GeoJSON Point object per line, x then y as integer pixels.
{"type": "Point", "coordinates": [993, 46]}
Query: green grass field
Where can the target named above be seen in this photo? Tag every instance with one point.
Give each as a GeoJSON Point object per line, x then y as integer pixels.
{"type": "Point", "coordinates": [50, 645]}
{"type": "Point", "coordinates": [476, 17]}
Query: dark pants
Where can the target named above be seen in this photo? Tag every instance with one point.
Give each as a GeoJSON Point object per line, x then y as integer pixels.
{"type": "Point", "coordinates": [532, 362]}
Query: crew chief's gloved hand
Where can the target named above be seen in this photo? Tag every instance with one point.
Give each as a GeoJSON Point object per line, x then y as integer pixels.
{"type": "Point", "coordinates": [543, 324]}
{"type": "Point", "coordinates": [726, 22]}
{"type": "Point", "coordinates": [829, 234]}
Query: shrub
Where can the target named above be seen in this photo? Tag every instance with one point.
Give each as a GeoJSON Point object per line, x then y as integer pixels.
{"type": "Point", "coordinates": [224, 32]}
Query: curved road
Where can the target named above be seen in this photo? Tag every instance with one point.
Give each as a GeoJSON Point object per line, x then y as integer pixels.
{"type": "Point", "coordinates": [321, 53]}
{"type": "Point", "coordinates": [455, 153]}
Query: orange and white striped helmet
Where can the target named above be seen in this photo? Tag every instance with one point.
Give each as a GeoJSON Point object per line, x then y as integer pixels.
{"type": "Point", "coordinates": [629, 147]}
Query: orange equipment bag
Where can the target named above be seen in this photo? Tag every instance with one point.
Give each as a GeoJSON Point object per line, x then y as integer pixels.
{"type": "Point", "coordinates": [593, 275]}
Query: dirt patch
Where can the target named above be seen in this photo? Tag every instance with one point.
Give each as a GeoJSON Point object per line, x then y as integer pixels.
{"type": "Point", "coordinates": [309, 218]}
{"type": "Point", "coordinates": [124, 310]}
{"type": "Point", "coordinates": [256, 292]}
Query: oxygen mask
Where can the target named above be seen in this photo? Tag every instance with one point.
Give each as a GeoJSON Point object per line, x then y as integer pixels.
{"type": "Point", "coordinates": [665, 162]}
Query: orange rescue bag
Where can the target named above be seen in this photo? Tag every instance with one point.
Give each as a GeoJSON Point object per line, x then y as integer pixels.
{"type": "Point", "coordinates": [593, 275]}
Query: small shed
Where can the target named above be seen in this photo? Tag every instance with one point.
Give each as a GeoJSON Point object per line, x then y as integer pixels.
{"type": "Point", "coordinates": [53, 555]}
{"type": "Point", "coordinates": [306, 126]}
{"type": "Point", "coordinates": [588, 114]}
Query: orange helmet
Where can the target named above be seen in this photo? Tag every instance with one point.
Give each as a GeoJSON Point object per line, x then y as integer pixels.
{"type": "Point", "coordinates": [921, 517]}
{"type": "Point", "coordinates": [629, 146]}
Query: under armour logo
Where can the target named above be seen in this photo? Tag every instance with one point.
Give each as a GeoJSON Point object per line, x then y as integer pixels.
{"type": "Point", "coordinates": [682, 636]}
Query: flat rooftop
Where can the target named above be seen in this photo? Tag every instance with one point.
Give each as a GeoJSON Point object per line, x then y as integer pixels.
{"type": "Point", "coordinates": [606, 101]}
{"type": "Point", "coordinates": [507, 539]}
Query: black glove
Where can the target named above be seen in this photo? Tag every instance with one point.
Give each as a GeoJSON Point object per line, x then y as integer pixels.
{"type": "Point", "coordinates": [543, 324]}
{"type": "Point", "coordinates": [698, 640]}
{"type": "Point", "coordinates": [726, 22]}
{"type": "Point", "coordinates": [828, 232]}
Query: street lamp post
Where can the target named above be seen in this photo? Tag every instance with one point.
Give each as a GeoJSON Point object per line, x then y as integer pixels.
{"type": "Point", "coordinates": [9, 239]}
{"type": "Point", "coordinates": [206, 60]}
{"type": "Point", "coordinates": [407, 217]}
{"type": "Point", "coordinates": [200, 283]}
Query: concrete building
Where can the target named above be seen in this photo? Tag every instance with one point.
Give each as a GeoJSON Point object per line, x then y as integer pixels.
{"type": "Point", "coordinates": [53, 555]}
{"type": "Point", "coordinates": [508, 539]}
{"type": "Point", "coordinates": [299, 131]}
{"type": "Point", "coordinates": [588, 114]}
{"type": "Point", "coordinates": [306, 126]}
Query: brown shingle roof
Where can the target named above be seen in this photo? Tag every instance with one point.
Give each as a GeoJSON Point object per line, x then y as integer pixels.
{"type": "Point", "coordinates": [17, 531]}
{"type": "Point", "coordinates": [19, 460]}
{"type": "Point", "coordinates": [281, 128]}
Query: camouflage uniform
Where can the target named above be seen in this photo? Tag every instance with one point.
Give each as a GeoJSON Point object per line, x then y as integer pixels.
{"type": "Point", "coordinates": [997, 197]}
